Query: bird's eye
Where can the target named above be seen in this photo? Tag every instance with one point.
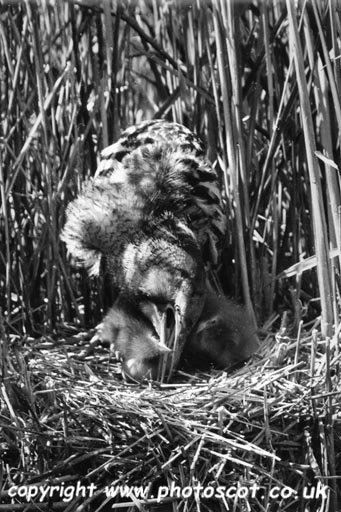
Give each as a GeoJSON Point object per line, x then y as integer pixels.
{"type": "Point", "coordinates": [177, 309]}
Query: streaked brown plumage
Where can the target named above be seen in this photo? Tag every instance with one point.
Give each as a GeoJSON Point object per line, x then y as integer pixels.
{"type": "Point", "coordinates": [152, 220]}
{"type": "Point", "coordinates": [165, 165]}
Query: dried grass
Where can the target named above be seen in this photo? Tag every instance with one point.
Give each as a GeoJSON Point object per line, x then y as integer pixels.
{"type": "Point", "coordinates": [69, 420]}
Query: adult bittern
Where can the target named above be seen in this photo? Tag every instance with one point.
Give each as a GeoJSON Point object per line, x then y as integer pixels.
{"type": "Point", "coordinates": [152, 220]}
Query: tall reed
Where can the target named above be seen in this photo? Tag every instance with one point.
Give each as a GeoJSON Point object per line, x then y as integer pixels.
{"type": "Point", "coordinates": [258, 81]}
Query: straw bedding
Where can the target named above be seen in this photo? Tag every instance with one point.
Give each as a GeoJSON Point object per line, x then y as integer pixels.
{"type": "Point", "coordinates": [270, 426]}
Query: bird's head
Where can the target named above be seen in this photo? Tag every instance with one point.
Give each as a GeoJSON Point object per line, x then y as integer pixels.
{"type": "Point", "coordinates": [155, 262]}
{"type": "Point", "coordinates": [164, 274]}
{"type": "Point", "coordinates": [224, 334]}
{"type": "Point", "coordinates": [132, 336]}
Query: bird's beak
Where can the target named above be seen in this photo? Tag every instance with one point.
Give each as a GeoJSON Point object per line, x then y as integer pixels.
{"type": "Point", "coordinates": [164, 323]}
{"type": "Point", "coordinates": [167, 337]}
{"type": "Point", "coordinates": [171, 329]}
{"type": "Point", "coordinates": [163, 349]}
{"type": "Point", "coordinates": [174, 336]}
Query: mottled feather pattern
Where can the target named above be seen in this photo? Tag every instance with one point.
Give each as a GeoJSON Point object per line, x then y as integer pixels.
{"type": "Point", "coordinates": [111, 223]}
{"type": "Point", "coordinates": [95, 218]}
{"type": "Point", "coordinates": [148, 218]}
{"type": "Point", "coordinates": [151, 132]}
{"type": "Point", "coordinates": [166, 164]}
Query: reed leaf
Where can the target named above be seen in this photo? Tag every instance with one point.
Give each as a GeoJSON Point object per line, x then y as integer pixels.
{"type": "Point", "coordinates": [319, 221]}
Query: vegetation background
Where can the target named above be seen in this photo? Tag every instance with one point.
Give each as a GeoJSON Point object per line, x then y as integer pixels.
{"type": "Point", "coordinates": [258, 81]}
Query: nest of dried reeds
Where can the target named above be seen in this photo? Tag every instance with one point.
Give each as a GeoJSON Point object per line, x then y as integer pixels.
{"type": "Point", "coordinates": [77, 437]}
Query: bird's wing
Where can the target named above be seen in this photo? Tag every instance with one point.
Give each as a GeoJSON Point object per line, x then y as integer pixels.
{"type": "Point", "coordinates": [166, 164]}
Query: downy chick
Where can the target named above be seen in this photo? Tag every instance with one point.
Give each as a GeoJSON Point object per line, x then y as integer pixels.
{"type": "Point", "coordinates": [223, 336]}
{"type": "Point", "coordinates": [132, 335]}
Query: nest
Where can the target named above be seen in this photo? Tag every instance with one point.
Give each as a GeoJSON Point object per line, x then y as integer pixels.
{"type": "Point", "coordinates": [77, 437]}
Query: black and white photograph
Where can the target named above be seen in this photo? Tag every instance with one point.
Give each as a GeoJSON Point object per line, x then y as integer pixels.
{"type": "Point", "coordinates": [170, 255]}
